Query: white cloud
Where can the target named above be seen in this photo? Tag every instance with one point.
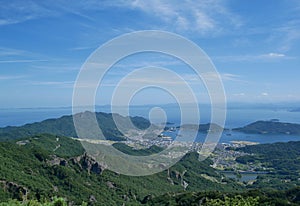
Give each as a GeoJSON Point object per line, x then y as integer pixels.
{"type": "Point", "coordinates": [286, 35]}
{"type": "Point", "coordinates": [10, 77]}
{"type": "Point", "coordinates": [10, 52]}
{"type": "Point", "coordinates": [223, 76]}
{"type": "Point", "coordinates": [22, 61]}
{"type": "Point", "coordinates": [273, 55]}
{"type": "Point", "coordinates": [11, 55]}
{"type": "Point", "coordinates": [201, 16]}
{"type": "Point", "coordinates": [231, 77]}
{"type": "Point", "coordinates": [264, 94]}
{"type": "Point", "coordinates": [239, 94]}
{"type": "Point", "coordinates": [61, 84]}
{"type": "Point", "coordinates": [260, 57]}
{"type": "Point", "coordinates": [19, 11]}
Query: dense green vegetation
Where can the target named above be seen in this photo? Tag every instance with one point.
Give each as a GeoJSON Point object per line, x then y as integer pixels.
{"type": "Point", "coordinates": [64, 126]}
{"type": "Point", "coordinates": [270, 127]}
{"type": "Point", "coordinates": [282, 159]}
{"type": "Point", "coordinates": [283, 156]}
{"type": "Point", "coordinates": [249, 198]}
{"type": "Point", "coordinates": [215, 198]}
{"type": "Point", "coordinates": [55, 202]}
{"type": "Point", "coordinates": [35, 168]}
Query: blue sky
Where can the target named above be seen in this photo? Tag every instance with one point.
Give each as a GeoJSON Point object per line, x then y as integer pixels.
{"type": "Point", "coordinates": [255, 46]}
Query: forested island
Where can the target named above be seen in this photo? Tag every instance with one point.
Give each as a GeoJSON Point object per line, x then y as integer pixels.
{"type": "Point", "coordinates": [270, 127]}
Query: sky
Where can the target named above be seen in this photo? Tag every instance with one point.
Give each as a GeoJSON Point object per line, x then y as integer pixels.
{"type": "Point", "coordinates": [254, 45]}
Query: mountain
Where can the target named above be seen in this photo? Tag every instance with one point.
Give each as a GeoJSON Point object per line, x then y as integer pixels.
{"type": "Point", "coordinates": [40, 166]}
{"type": "Point", "coordinates": [270, 127]}
{"type": "Point", "coordinates": [64, 126]}
{"type": "Point", "coordinates": [44, 166]}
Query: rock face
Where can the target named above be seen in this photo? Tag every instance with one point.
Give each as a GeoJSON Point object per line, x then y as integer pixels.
{"type": "Point", "coordinates": [90, 164]}
{"type": "Point", "coordinates": [176, 175]}
{"type": "Point", "coordinates": [84, 161]}
{"type": "Point", "coordinates": [57, 161]}
{"type": "Point", "coordinates": [19, 192]}
{"type": "Point", "coordinates": [110, 185]}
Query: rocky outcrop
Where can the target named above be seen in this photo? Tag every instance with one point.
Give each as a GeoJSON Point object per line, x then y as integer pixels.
{"type": "Point", "coordinates": [57, 161]}
{"type": "Point", "coordinates": [18, 192]}
{"type": "Point", "coordinates": [85, 162]}
{"type": "Point", "coordinates": [111, 185]}
{"type": "Point", "coordinates": [176, 175]}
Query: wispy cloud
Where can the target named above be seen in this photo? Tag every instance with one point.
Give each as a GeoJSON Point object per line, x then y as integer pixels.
{"type": "Point", "coordinates": [61, 84]}
{"type": "Point", "coordinates": [11, 52]}
{"type": "Point", "coordinates": [19, 11]}
{"type": "Point", "coordinates": [57, 68]}
{"type": "Point", "coordinates": [231, 77]}
{"type": "Point", "coordinates": [273, 56]}
{"type": "Point", "coordinates": [289, 35]}
{"type": "Point", "coordinates": [15, 56]}
{"type": "Point", "coordinates": [22, 61]}
{"type": "Point", "coordinates": [200, 16]}
{"type": "Point", "coordinates": [239, 94]}
{"type": "Point", "coordinates": [222, 76]}
{"type": "Point", "coordinates": [82, 48]}
{"type": "Point", "coordinates": [11, 77]}
{"type": "Point", "coordinates": [261, 57]}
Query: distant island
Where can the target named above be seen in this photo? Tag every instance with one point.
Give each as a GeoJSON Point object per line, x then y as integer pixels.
{"type": "Point", "coordinates": [270, 127]}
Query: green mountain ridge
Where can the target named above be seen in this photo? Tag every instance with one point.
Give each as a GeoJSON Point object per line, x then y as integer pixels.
{"type": "Point", "coordinates": [64, 126]}
{"type": "Point", "coordinates": [36, 168]}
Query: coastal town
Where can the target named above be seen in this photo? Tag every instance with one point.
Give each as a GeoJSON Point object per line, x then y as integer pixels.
{"type": "Point", "coordinates": [223, 156]}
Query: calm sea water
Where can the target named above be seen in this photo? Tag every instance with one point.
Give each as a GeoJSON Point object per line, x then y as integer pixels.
{"type": "Point", "coordinates": [237, 136]}
{"type": "Point", "coordinates": [235, 118]}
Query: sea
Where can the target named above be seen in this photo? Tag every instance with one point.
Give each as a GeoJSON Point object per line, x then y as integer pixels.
{"type": "Point", "coordinates": [235, 117]}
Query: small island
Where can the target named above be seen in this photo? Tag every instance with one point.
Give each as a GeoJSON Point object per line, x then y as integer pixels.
{"type": "Point", "coordinates": [270, 127]}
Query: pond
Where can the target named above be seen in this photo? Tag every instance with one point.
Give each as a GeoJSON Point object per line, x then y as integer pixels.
{"type": "Point", "coordinates": [244, 176]}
